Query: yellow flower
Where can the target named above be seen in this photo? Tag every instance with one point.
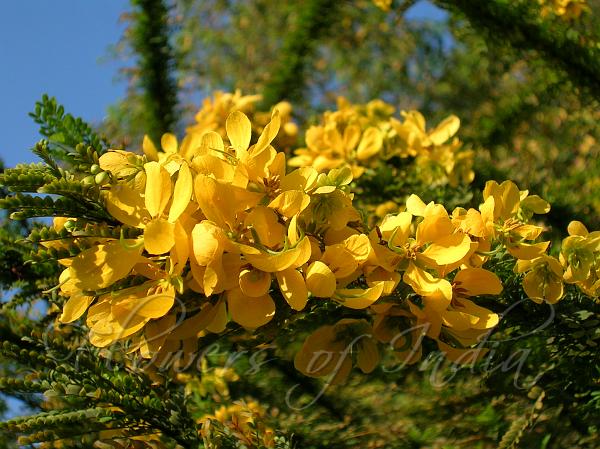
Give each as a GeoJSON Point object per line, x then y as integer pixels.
{"type": "Point", "coordinates": [579, 252]}
{"type": "Point", "coordinates": [544, 278]}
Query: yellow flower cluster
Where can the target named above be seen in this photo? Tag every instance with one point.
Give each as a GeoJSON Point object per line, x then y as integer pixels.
{"type": "Point", "coordinates": [566, 9]}
{"type": "Point", "coordinates": [217, 231]}
{"type": "Point", "coordinates": [364, 136]}
{"type": "Point", "coordinates": [214, 112]}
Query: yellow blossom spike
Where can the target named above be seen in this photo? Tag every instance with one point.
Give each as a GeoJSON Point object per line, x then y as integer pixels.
{"type": "Point", "coordinates": [254, 283]}
{"type": "Point", "coordinates": [103, 265]}
{"type": "Point", "coordinates": [168, 142]}
{"type": "Point", "coordinates": [250, 312]}
{"type": "Point", "coordinates": [293, 288]}
{"type": "Point", "coordinates": [370, 144]}
{"type": "Point", "coordinates": [159, 236]}
{"type": "Point", "coordinates": [158, 188]}
{"type": "Point", "coordinates": [239, 130]}
{"type": "Point", "coordinates": [320, 280]}
{"type": "Point", "coordinates": [75, 307]}
{"type": "Point", "coordinates": [358, 298]}
{"type": "Point", "coordinates": [149, 149]}
{"type": "Point", "coordinates": [182, 193]}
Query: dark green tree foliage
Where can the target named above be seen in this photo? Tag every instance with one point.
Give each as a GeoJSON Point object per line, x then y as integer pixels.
{"type": "Point", "coordinates": [519, 23]}
{"type": "Point", "coordinates": [155, 65]}
{"type": "Point", "coordinates": [287, 79]}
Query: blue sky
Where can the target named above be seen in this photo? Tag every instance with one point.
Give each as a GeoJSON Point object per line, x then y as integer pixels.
{"type": "Point", "coordinates": [55, 47]}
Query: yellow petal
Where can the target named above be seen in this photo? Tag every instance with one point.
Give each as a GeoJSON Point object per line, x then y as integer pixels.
{"type": "Point", "coordinates": [390, 279]}
{"type": "Point", "coordinates": [181, 253]}
{"type": "Point", "coordinates": [154, 306]}
{"type": "Point", "coordinates": [320, 280]}
{"type": "Point", "coordinates": [75, 307]}
{"type": "Point", "coordinates": [577, 228]}
{"type": "Point", "coordinates": [425, 284]}
{"type": "Point", "coordinates": [191, 326]}
{"type": "Point", "coordinates": [182, 193]}
{"type": "Point", "coordinates": [449, 249]}
{"type": "Point", "coordinates": [158, 188]}
{"type": "Point", "coordinates": [168, 142]}
{"type": "Point", "coordinates": [239, 130]}
{"type": "Point", "coordinates": [127, 205]}
{"type": "Point", "coordinates": [159, 236]}
{"type": "Point", "coordinates": [265, 223]}
{"type": "Point", "coordinates": [290, 202]}
{"type": "Point", "coordinates": [367, 358]}
{"type": "Point", "coordinates": [293, 288]}
{"type": "Point", "coordinates": [528, 251]}
{"type": "Point", "coordinates": [250, 312]}
{"type": "Point", "coordinates": [149, 149]}
{"type": "Point", "coordinates": [535, 204]}
{"type": "Point", "coordinates": [415, 206]}
{"type": "Point", "coordinates": [211, 141]}
{"type": "Point", "coordinates": [322, 355]}
{"type": "Point", "coordinates": [103, 265]}
{"type": "Point", "coordinates": [359, 246]}
{"type": "Point", "coordinates": [446, 129]}
{"type": "Point", "coordinates": [279, 261]}
{"type": "Point", "coordinates": [370, 144]}
{"type": "Point", "coordinates": [118, 163]}
{"type": "Point", "coordinates": [219, 322]}
{"type": "Point", "coordinates": [486, 319]}
{"type": "Point", "coordinates": [396, 228]}
{"type": "Point", "coordinates": [357, 298]}
{"type": "Point", "coordinates": [254, 283]}
{"type": "Point", "coordinates": [208, 242]}
{"type": "Point", "coordinates": [269, 133]}
{"type": "Point", "coordinates": [477, 281]}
